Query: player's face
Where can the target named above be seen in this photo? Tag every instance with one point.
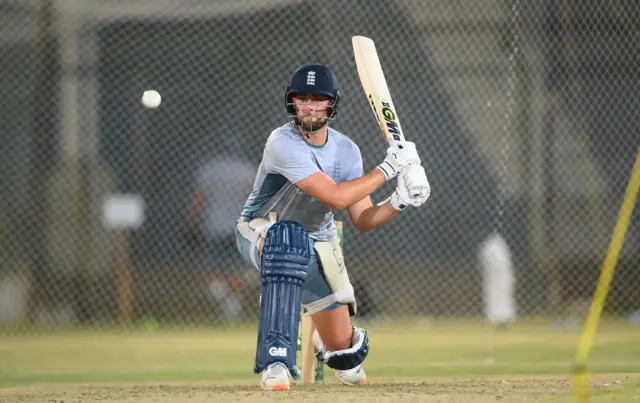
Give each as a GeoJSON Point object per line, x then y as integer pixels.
{"type": "Point", "coordinates": [311, 110]}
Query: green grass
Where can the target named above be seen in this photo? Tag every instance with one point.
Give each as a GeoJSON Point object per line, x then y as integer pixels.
{"type": "Point", "coordinates": [402, 350]}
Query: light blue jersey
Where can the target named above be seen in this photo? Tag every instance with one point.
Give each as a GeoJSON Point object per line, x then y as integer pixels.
{"type": "Point", "coordinates": [288, 159]}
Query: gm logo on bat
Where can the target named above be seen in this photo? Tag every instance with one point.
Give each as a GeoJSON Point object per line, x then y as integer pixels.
{"type": "Point", "coordinates": [389, 115]}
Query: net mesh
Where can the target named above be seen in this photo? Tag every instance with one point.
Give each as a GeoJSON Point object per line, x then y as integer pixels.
{"type": "Point", "coordinates": [524, 114]}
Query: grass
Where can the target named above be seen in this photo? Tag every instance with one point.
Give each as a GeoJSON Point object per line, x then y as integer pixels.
{"type": "Point", "coordinates": [400, 351]}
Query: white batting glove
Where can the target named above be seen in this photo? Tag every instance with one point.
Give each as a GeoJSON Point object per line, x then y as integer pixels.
{"type": "Point", "coordinates": [413, 188]}
{"type": "Point", "coordinates": [398, 157]}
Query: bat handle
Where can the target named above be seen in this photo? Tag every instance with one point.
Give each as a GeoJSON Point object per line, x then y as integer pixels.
{"type": "Point", "coordinates": [394, 141]}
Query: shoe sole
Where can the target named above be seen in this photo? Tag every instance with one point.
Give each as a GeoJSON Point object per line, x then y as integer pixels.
{"type": "Point", "coordinates": [354, 384]}
{"type": "Point", "coordinates": [280, 387]}
{"type": "Point", "coordinates": [361, 382]}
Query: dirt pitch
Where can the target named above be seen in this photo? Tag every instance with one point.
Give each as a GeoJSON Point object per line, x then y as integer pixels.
{"type": "Point", "coordinates": [454, 391]}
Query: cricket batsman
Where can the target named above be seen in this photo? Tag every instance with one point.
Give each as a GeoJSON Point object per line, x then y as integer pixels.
{"type": "Point", "coordinates": [288, 232]}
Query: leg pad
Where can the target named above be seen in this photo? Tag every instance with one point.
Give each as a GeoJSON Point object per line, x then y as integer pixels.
{"type": "Point", "coordinates": [284, 263]}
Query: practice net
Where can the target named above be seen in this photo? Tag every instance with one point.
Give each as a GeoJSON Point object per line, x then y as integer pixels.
{"type": "Point", "coordinates": [524, 113]}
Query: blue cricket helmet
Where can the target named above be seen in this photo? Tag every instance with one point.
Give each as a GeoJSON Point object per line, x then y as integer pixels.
{"type": "Point", "coordinates": [315, 79]}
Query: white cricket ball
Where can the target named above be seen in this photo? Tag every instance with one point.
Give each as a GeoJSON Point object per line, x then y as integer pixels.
{"type": "Point", "coordinates": [151, 99]}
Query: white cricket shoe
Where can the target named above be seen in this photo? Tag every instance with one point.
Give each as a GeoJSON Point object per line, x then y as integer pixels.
{"type": "Point", "coordinates": [275, 377]}
{"type": "Point", "coordinates": [352, 377]}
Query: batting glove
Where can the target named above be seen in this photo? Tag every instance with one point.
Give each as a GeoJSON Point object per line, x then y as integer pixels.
{"type": "Point", "coordinates": [413, 188]}
{"type": "Point", "coordinates": [399, 155]}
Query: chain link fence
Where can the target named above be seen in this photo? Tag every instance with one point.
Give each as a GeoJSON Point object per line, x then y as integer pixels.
{"type": "Point", "coordinates": [524, 113]}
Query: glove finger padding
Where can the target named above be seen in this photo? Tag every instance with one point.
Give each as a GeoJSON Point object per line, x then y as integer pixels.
{"type": "Point", "coordinates": [410, 153]}
{"type": "Point", "coordinates": [348, 358]}
{"type": "Point", "coordinates": [415, 183]}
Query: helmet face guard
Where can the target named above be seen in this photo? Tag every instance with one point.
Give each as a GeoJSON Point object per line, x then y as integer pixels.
{"type": "Point", "coordinates": [313, 79]}
{"type": "Point", "coordinates": [318, 121]}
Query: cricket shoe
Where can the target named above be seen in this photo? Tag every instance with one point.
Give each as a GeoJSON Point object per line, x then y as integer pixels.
{"type": "Point", "coordinates": [352, 377]}
{"type": "Point", "coordinates": [275, 377]}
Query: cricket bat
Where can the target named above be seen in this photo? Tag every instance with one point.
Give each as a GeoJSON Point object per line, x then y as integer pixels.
{"type": "Point", "coordinates": [308, 354]}
{"type": "Point", "coordinates": [376, 89]}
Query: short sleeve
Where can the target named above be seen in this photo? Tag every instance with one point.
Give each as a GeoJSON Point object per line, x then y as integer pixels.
{"type": "Point", "coordinates": [356, 170]}
{"type": "Point", "coordinates": [289, 158]}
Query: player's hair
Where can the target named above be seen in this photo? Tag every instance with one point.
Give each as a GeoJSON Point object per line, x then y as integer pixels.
{"type": "Point", "coordinates": [313, 79]}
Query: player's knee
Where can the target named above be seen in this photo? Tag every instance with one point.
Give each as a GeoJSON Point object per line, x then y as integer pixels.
{"type": "Point", "coordinates": [348, 358]}
{"type": "Point", "coordinates": [286, 251]}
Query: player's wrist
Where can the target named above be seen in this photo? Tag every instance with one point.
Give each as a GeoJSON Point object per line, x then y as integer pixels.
{"type": "Point", "coordinates": [387, 170]}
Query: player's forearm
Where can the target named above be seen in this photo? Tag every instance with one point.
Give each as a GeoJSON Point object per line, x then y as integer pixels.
{"type": "Point", "coordinates": [353, 191]}
{"type": "Point", "coordinates": [375, 216]}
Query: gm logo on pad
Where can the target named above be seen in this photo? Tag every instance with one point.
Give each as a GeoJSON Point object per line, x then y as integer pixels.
{"type": "Point", "coordinates": [278, 351]}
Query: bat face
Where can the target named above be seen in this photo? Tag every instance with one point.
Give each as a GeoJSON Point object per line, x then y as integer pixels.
{"type": "Point", "coordinates": [375, 88]}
